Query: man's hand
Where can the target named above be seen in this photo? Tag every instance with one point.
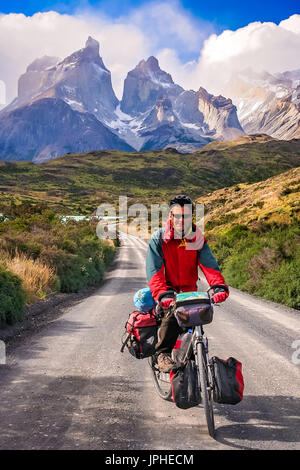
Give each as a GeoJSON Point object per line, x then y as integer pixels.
{"type": "Point", "coordinates": [220, 297]}
{"type": "Point", "coordinates": [162, 306]}
{"type": "Point", "coordinates": [165, 303]}
{"type": "Point", "coordinates": [220, 294]}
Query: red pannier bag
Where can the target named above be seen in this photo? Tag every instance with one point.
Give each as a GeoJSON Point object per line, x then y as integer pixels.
{"type": "Point", "coordinates": [228, 380]}
{"type": "Point", "coordinates": [141, 334]}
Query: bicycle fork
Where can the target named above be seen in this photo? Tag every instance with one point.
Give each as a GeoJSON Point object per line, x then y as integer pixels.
{"type": "Point", "coordinates": [198, 338]}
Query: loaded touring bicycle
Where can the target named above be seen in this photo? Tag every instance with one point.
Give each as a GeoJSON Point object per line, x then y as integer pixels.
{"type": "Point", "coordinates": [196, 379]}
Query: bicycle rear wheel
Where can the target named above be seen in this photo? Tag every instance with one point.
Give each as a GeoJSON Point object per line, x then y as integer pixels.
{"type": "Point", "coordinates": [206, 388]}
{"type": "Point", "coordinates": [161, 380]}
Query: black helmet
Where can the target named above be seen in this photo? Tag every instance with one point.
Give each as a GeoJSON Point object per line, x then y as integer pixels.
{"type": "Point", "coordinates": [181, 200]}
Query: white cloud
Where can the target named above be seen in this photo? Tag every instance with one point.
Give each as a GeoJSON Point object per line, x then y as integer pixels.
{"type": "Point", "coordinates": [185, 74]}
{"type": "Point", "coordinates": [168, 25]}
{"type": "Point", "coordinates": [257, 46]}
{"type": "Point", "coordinates": [291, 24]}
{"type": "Point", "coordinates": [123, 41]}
{"type": "Point", "coordinates": [163, 29]}
{"type": "Point", "coordinates": [23, 39]}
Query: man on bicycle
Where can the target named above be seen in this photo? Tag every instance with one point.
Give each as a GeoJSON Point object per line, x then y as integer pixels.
{"type": "Point", "coordinates": [173, 257]}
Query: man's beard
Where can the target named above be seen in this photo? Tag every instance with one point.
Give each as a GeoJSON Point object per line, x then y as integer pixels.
{"type": "Point", "coordinates": [182, 232]}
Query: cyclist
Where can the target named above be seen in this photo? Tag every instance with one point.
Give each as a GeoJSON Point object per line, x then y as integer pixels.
{"type": "Point", "coordinates": [173, 256]}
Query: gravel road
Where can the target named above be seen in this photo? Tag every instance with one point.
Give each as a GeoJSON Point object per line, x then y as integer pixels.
{"type": "Point", "coordinates": [67, 386]}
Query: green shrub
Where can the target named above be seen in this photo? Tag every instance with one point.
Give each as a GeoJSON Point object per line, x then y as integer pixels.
{"type": "Point", "coordinates": [263, 260]}
{"type": "Point", "coordinates": [77, 272]}
{"type": "Point", "coordinates": [282, 284]}
{"type": "Point", "coordinates": [108, 253]}
{"type": "Point", "coordinates": [12, 297]}
{"type": "Point", "coordinates": [72, 248]}
{"type": "Point", "coordinates": [235, 268]}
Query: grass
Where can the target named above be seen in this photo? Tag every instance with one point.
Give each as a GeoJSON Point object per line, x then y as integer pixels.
{"type": "Point", "coordinates": [78, 183]}
{"type": "Point", "coordinates": [254, 232]}
{"type": "Point", "coordinates": [41, 254]}
{"type": "Point", "coordinates": [38, 279]}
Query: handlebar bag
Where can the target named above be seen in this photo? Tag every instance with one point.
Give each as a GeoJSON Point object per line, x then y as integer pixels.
{"type": "Point", "coordinates": [141, 334]}
{"type": "Point", "coordinates": [190, 316]}
{"type": "Point", "coordinates": [185, 385]}
{"type": "Point", "coordinates": [228, 380]}
{"type": "Point", "coordinates": [192, 309]}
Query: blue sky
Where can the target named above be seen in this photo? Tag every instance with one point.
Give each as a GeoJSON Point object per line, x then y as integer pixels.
{"type": "Point", "coordinates": [223, 14]}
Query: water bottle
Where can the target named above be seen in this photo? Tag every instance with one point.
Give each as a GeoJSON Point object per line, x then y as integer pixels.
{"type": "Point", "coordinates": [179, 354]}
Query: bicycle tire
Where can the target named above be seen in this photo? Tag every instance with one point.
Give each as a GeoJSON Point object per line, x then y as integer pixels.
{"type": "Point", "coordinates": [161, 381]}
{"type": "Point", "coordinates": [207, 396]}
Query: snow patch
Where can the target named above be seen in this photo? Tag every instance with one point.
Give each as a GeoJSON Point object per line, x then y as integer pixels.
{"type": "Point", "coordinates": [76, 105]}
{"type": "Point", "coordinates": [190, 125]}
{"type": "Point", "coordinates": [122, 116]}
{"type": "Point", "coordinates": [127, 128]}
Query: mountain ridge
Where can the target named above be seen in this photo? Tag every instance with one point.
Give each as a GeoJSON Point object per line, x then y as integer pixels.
{"type": "Point", "coordinates": [83, 82]}
{"type": "Point", "coordinates": [154, 112]}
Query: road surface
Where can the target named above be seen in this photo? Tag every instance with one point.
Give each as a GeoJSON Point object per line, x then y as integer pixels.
{"type": "Point", "coordinates": [69, 387]}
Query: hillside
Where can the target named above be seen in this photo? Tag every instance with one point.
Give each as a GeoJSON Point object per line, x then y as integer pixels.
{"type": "Point", "coordinates": [276, 199]}
{"type": "Point", "coordinates": [78, 183]}
{"type": "Point", "coordinates": [254, 232]}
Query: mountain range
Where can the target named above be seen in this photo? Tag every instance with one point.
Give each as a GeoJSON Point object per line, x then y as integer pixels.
{"type": "Point", "coordinates": [69, 105]}
{"type": "Point", "coordinates": [267, 103]}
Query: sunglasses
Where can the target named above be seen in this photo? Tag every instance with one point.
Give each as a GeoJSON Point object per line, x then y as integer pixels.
{"type": "Point", "coordinates": [181, 216]}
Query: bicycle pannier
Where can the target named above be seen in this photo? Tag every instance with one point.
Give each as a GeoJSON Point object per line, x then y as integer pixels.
{"type": "Point", "coordinates": [228, 380]}
{"type": "Point", "coordinates": [141, 330]}
{"type": "Point", "coordinates": [185, 386]}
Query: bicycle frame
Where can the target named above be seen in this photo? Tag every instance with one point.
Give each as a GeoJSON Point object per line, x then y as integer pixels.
{"type": "Point", "coordinates": [196, 337]}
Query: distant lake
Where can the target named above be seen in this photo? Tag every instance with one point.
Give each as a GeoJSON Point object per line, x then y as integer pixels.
{"type": "Point", "coordinates": [64, 218]}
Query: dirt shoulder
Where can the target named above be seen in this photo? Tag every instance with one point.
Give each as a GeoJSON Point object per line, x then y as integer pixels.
{"type": "Point", "coordinates": [43, 312]}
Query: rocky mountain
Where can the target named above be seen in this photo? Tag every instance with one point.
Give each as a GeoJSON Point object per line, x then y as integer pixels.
{"type": "Point", "coordinates": [81, 80]}
{"type": "Point", "coordinates": [144, 85]}
{"type": "Point", "coordinates": [154, 113]}
{"type": "Point", "coordinates": [48, 128]}
{"type": "Point", "coordinates": [161, 113]}
{"type": "Point", "coordinates": [213, 115]}
{"type": "Point", "coordinates": [268, 103]}
{"type": "Point", "coordinates": [162, 128]}
{"type": "Point", "coordinates": [33, 82]}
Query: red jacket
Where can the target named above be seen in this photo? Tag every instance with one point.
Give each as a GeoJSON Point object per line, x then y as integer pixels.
{"type": "Point", "coordinates": [173, 263]}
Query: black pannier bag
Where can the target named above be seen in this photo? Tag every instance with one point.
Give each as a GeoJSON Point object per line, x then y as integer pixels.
{"type": "Point", "coordinates": [228, 380]}
{"type": "Point", "coordinates": [141, 334]}
{"type": "Point", "coordinates": [185, 386]}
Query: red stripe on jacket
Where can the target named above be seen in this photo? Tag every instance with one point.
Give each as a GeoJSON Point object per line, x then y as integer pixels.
{"type": "Point", "coordinates": [172, 263]}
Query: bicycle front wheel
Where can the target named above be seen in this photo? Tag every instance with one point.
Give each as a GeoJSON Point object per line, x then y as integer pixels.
{"type": "Point", "coordinates": [206, 389]}
{"type": "Point", "coordinates": [161, 380]}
